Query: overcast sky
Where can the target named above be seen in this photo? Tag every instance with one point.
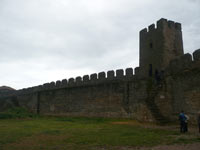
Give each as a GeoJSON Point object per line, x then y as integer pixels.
{"type": "Point", "coordinates": [48, 40]}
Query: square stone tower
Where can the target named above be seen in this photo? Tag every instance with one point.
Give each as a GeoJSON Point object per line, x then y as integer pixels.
{"type": "Point", "coordinates": [159, 45]}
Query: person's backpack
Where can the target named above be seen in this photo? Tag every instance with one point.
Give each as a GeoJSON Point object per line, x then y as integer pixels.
{"type": "Point", "coordinates": [182, 117]}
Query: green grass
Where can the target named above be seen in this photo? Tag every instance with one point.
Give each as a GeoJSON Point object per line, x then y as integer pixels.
{"type": "Point", "coordinates": [17, 112]}
{"type": "Point", "coordinates": [76, 133]}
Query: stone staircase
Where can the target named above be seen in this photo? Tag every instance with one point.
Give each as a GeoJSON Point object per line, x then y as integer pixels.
{"type": "Point", "coordinates": [153, 90]}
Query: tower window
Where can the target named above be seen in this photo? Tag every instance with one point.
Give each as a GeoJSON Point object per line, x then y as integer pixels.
{"type": "Point", "coordinates": [151, 45]}
{"type": "Point", "coordinates": [150, 70]}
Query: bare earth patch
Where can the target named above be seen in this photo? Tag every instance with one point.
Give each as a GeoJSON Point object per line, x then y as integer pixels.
{"type": "Point", "coordinates": [194, 146]}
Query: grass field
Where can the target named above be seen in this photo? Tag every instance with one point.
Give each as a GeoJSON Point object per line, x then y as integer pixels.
{"type": "Point", "coordinates": [59, 133]}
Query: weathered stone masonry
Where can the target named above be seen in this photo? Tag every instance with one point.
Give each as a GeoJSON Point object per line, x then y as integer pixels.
{"type": "Point", "coordinates": [166, 82]}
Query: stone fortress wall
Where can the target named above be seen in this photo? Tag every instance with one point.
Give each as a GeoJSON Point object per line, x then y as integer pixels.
{"type": "Point", "coordinates": [121, 93]}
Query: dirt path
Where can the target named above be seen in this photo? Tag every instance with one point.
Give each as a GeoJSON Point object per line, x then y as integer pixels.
{"type": "Point", "coordinates": [194, 146]}
{"type": "Point", "coordinates": [191, 129]}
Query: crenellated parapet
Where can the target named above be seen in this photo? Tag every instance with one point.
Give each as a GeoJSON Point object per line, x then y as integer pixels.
{"type": "Point", "coordinates": [87, 80]}
{"type": "Point", "coordinates": [184, 63]}
{"type": "Point", "coordinates": [160, 25]}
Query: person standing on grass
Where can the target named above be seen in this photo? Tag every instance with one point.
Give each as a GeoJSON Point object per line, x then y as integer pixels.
{"type": "Point", "coordinates": [198, 119]}
{"type": "Point", "coordinates": [186, 122]}
{"type": "Point", "coordinates": [182, 120]}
